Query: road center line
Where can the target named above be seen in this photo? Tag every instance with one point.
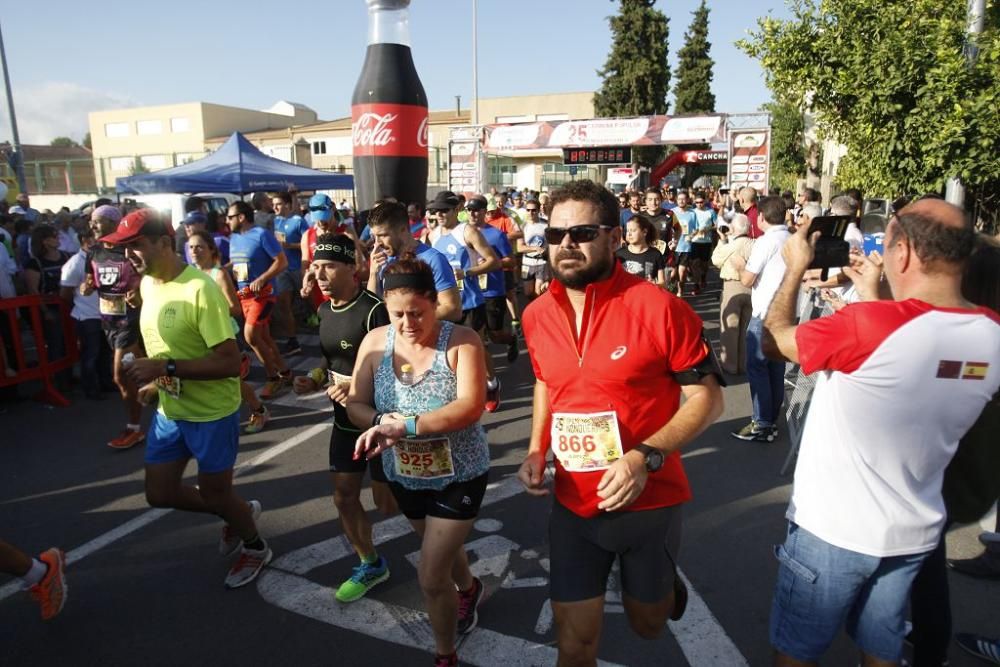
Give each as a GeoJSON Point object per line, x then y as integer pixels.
{"type": "Point", "coordinates": [151, 515]}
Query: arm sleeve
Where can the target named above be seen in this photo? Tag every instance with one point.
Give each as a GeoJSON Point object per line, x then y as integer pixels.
{"type": "Point", "coordinates": [503, 245]}
{"type": "Point", "coordinates": [444, 276]}
{"type": "Point", "coordinates": [213, 314]}
{"type": "Point", "coordinates": [72, 272]}
{"type": "Point", "coordinates": [685, 346]}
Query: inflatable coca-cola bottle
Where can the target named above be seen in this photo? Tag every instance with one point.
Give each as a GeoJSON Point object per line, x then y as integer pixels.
{"type": "Point", "coordinates": [389, 112]}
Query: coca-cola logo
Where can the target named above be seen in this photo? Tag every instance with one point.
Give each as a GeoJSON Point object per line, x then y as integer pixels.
{"type": "Point", "coordinates": [372, 129]}
{"type": "Point", "coordinates": [422, 134]}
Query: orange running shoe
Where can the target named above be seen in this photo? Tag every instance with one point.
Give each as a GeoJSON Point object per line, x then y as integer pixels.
{"type": "Point", "coordinates": [50, 592]}
{"type": "Point", "coordinates": [127, 439]}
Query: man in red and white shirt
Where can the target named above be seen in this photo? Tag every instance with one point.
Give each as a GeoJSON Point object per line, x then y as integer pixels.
{"type": "Point", "coordinates": [612, 355]}
{"type": "Point", "coordinates": [900, 383]}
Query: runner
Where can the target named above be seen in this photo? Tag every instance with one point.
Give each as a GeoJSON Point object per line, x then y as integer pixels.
{"type": "Point", "coordinates": [391, 230]}
{"type": "Point", "coordinates": [345, 320]}
{"type": "Point", "coordinates": [257, 260]}
{"type": "Point", "coordinates": [420, 382]}
{"type": "Point", "coordinates": [688, 223]}
{"type": "Point", "coordinates": [701, 242]}
{"type": "Point", "coordinates": [637, 256]}
{"type": "Point", "coordinates": [117, 285]}
{"type": "Point", "coordinates": [612, 355]}
{"type": "Point", "coordinates": [205, 255]}
{"type": "Point", "coordinates": [534, 268]}
{"type": "Point", "coordinates": [43, 577]}
{"type": "Point", "coordinates": [288, 230]}
{"type": "Point", "coordinates": [471, 258]}
{"type": "Point", "coordinates": [195, 364]}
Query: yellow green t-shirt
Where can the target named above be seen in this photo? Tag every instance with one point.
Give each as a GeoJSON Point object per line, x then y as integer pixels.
{"type": "Point", "coordinates": [184, 319]}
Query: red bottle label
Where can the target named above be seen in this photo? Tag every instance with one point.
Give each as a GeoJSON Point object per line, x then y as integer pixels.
{"type": "Point", "coordinates": [390, 130]}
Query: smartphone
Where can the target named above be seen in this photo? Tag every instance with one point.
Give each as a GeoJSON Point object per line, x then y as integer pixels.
{"type": "Point", "coordinates": [832, 251]}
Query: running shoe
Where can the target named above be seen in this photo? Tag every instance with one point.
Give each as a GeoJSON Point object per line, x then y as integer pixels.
{"type": "Point", "coordinates": [127, 439]}
{"type": "Point", "coordinates": [248, 566]}
{"type": "Point", "coordinates": [273, 388]}
{"type": "Point", "coordinates": [493, 396]}
{"type": "Point", "coordinates": [983, 566]}
{"type": "Point", "coordinates": [515, 325]}
{"type": "Point", "coordinates": [365, 577]}
{"type": "Point", "coordinates": [258, 420]}
{"type": "Point", "coordinates": [981, 647]}
{"type": "Point", "coordinates": [512, 350]}
{"type": "Point", "coordinates": [292, 347]}
{"type": "Point", "coordinates": [754, 432]}
{"type": "Point", "coordinates": [50, 592]}
{"type": "Point", "coordinates": [230, 541]}
{"type": "Point", "coordinates": [468, 606]}
{"type": "Point", "coordinates": [680, 597]}
{"type": "Point", "coordinates": [446, 660]}
{"type": "Point", "coordinates": [989, 538]}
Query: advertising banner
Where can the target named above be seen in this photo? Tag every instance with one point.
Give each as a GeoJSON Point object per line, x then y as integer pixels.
{"type": "Point", "coordinates": [750, 159]}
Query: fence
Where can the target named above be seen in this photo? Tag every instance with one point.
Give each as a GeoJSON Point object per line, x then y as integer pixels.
{"type": "Point", "coordinates": [14, 345]}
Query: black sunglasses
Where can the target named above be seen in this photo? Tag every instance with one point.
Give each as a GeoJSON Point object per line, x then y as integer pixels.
{"type": "Point", "coordinates": [319, 208]}
{"type": "Point", "coordinates": [578, 234]}
{"type": "Point", "coordinates": [531, 210]}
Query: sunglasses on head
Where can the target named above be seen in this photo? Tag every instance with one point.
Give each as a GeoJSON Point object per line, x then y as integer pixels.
{"type": "Point", "coordinates": [319, 208]}
{"type": "Point", "coordinates": [578, 234]}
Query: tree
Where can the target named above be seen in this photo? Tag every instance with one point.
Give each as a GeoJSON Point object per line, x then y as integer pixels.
{"type": "Point", "coordinates": [636, 76]}
{"type": "Point", "coordinates": [889, 79]}
{"type": "Point", "coordinates": [87, 142]}
{"type": "Point", "coordinates": [137, 167]}
{"type": "Point", "coordinates": [788, 151]}
{"type": "Point", "coordinates": [693, 91]}
{"type": "Point", "coordinates": [63, 142]}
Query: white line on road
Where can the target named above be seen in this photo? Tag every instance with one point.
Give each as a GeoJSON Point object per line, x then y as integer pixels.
{"type": "Point", "coordinates": [149, 516]}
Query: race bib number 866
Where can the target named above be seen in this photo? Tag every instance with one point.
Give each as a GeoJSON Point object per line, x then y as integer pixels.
{"type": "Point", "coordinates": [586, 442]}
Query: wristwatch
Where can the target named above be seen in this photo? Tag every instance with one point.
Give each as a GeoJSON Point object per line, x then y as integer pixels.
{"type": "Point", "coordinates": [654, 457]}
{"type": "Point", "coordinates": [171, 368]}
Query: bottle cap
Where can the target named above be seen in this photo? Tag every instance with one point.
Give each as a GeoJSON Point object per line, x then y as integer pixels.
{"type": "Point", "coordinates": [406, 368]}
{"type": "Point", "coordinates": [388, 4]}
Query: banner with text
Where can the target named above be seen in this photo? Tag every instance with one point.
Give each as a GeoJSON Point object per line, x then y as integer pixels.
{"type": "Point", "coordinates": [750, 159]}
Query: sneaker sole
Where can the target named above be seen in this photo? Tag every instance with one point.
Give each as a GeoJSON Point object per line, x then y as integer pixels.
{"type": "Point", "coordinates": [373, 584]}
{"type": "Point", "coordinates": [249, 580]}
{"type": "Point", "coordinates": [61, 573]}
{"type": "Point", "coordinates": [124, 447]}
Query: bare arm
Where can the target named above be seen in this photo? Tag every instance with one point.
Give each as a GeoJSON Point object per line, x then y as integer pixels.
{"type": "Point", "coordinates": [779, 326]}
{"type": "Point", "coordinates": [223, 361]}
{"type": "Point", "coordinates": [229, 291]}
{"type": "Point", "coordinates": [449, 305]}
{"type": "Point", "coordinates": [490, 263]}
{"type": "Point", "coordinates": [532, 471]}
{"type": "Point", "coordinates": [32, 279]}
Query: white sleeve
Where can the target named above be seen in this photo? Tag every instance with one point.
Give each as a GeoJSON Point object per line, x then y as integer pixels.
{"type": "Point", "coordinates": [72, 271]}
{"type": "Point", "coordinates": [762, 251]}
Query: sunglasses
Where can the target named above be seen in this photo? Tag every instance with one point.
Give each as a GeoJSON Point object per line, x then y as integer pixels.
{"type": "Point", "coordinates": [578, 234]}
{"type": "Point", "coordinates": [531, 210]}
{"type": "Point", "coordinates": [319, 208]}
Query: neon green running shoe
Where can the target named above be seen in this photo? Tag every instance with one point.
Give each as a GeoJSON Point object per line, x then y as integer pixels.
{"type": "Point", "coordinates": [365, 577]}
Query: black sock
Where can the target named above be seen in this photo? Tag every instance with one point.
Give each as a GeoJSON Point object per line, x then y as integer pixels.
{"type": "Point", "coordinates": [256, 544]}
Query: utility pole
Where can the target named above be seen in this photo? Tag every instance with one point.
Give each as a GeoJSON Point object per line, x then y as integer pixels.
{"type": "Point", "coordinates": [954, 192]}
{"type": "Point", "coordinates": [475, 64]}
{"type": "Point", "coordinates": [15, 142]}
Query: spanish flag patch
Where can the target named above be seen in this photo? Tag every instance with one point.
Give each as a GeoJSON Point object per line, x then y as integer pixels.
{"type": "Point", "coordinates": [974, 370]}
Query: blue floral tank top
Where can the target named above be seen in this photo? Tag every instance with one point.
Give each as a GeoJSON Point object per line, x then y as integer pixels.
{"type": "Point", "coordinates": [437, 387]}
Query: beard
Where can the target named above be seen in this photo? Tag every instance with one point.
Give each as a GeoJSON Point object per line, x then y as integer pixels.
{"type": "Point", "coordinates": [578, 278]}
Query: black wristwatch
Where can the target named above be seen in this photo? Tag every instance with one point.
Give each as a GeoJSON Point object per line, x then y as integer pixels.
{"type": "Point", "coordinates": [654, 457]}
{"type": "Point", "coordinates": [171, 368]}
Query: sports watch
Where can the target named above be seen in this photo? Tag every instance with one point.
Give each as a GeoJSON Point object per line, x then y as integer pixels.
{"type": "Point", "coordinates": [653, 456]}
{"type": "Point", "coordinates": [171, 368]}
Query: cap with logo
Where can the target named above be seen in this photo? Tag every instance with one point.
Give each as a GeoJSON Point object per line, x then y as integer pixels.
{"type": "Point", "coordinates": [320, 208]}
{"type": "Point", "coordinates": [144, 222]}
{"type": "Point", "coordinates": [443, 201]}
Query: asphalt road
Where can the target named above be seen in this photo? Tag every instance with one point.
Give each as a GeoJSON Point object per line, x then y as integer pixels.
{"type": "Point", "coordinates": [145, 586]}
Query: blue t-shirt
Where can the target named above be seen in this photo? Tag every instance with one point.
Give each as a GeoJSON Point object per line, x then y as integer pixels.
{"type": "Point", "coordinates": [689, 225]}
{"type": "Point", "coordinates": [290, 230]}
{"type": "Point", "coordinates": [221, 242]}
{"type": "Point", "coordinates": [501, 246]}
{"type": "Point", "coordinates": [252, 253]}
{"type": "Point", "coordinates": [444, 276]}
{"type": "Point", "coordinates": [706, 220]}
{"type": "Point", "coordinates": [458, 256]}
{"type": "Point", "coordinates": [626, 215]}
{"type": "Point", "coordinates": [668, 206]}
{"type": "Point", "coordinates": [366, 234]}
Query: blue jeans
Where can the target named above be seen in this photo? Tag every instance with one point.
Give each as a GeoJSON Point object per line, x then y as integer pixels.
{"type": "Point", "coordinates": [95, 357]}
{"type": "Point", "coordinates": [822, 588]}
{"type": "Point", "coordinates": [765, 377]}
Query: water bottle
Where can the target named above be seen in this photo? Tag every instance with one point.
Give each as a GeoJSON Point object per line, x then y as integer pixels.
{"type": "Point", "coordinates": [406, 374]}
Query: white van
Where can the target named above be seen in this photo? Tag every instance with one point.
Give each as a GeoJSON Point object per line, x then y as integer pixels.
{"type": "Point", "coordinates": [172, 205]}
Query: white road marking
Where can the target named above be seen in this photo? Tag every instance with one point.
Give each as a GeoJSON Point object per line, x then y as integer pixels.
{"type": "Point", "coordinates": [700, 636]}
{"type": "Point", "coordinates": [149, 516]}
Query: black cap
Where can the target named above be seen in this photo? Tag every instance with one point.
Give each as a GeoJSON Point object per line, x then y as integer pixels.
{"type": "Point", "coordinates": [476, 203]}
{"type": "Point", "coordinates": [443, 201]}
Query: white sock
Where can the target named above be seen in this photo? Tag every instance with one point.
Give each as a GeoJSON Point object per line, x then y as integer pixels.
{"type": "Point", "coordinates": [491, 383]}
{"type": "Point", "coordinates": [35, 574]}
{"type": "Point", "coordinates": [134, 427]}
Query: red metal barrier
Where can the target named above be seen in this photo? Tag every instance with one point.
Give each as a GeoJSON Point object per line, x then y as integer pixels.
{"type": "Point", "coordinates": [46, 368]}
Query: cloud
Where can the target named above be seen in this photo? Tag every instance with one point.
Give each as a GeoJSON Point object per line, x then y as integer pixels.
{"type": "Point", "coordinates": [57, 109]}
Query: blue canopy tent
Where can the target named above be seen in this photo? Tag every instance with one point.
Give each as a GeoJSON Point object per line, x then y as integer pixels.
{"type": "Point", "coordinates": [237, 167]}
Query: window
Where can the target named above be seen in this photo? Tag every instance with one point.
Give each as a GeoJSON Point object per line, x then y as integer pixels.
{"type": "Point", "coordinates": [319, 147]}
{"type": "Point", "coordinates": [180, 125]}
{"type": "Point", "coordinates": [556, 173]}
{"type": "Point", "coordinates": [144, 127]}
{"type": "Point", "coordinates": [116, 129]}
{"type": "Point", "coordinates": [120, 163]}
{"type": "Point", "coordinates": [154, 161]}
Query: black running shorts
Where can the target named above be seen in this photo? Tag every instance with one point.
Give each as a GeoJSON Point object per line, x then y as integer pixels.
{"type": "Point", "coordinates": [459, 501]}
{"type": "Point", "coordinates": [342, 455]}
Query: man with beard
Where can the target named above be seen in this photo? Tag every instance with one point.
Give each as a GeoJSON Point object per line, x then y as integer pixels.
{"type": "Point", "coordinates": [195, 364]}
{"type": "Point", "coordinates": [612, 355]}
{"type": "Point", "coordinates": [350, 313]}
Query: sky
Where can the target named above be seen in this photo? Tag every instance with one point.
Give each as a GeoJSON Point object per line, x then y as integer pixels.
{"type": "Point", "coordinates": [67, 58]}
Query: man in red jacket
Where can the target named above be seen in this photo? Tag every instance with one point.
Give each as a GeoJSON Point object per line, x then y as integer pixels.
{"type": "Point", "coordinates": [612, 354]}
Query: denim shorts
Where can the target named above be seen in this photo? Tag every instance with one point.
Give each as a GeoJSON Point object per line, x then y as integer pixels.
{"type": "Point", "coordinates": [822, 587]}
{"type": "Point", "coordinates": [214, 444]}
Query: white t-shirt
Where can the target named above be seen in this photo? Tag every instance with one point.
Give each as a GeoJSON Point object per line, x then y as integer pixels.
{"type": "Point", "coordinates": [8, 267]}
{"type": "Point", "coordinates": [534, 236]}
{"type": "Point", "coordinates": [899, 384]}
{"type": "Point", "coordinates": [73, 273]}
{"type": "Point", "coordinates": [769, 266]}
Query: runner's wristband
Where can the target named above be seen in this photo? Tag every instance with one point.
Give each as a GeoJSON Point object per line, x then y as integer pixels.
{"type": "Point", "coordinates": [377, 419]}
{"type": "Point", "coordinates": [411, 425]}
{"type": "Point", "coordinates": [318, 375]}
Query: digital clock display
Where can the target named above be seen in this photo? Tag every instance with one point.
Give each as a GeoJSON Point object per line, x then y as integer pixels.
{"type": "Point", "coordinates": [601, 155]}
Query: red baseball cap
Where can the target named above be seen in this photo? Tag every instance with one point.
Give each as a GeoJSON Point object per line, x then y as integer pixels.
{"type": "Point", "coordinates": [144, 222]}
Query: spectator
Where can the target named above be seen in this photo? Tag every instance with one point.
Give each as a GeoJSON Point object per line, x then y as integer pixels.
{"type": "Point", "coordinates": [747, 201]}
{"type": "Point", "coordinates": [735, 309]}
{"type": "Point", "coordinates": [95, 354]}
{"type": "Point", "coordinates": [42, 276]}
{"type": "Point", "coordinates": [24, 204]}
